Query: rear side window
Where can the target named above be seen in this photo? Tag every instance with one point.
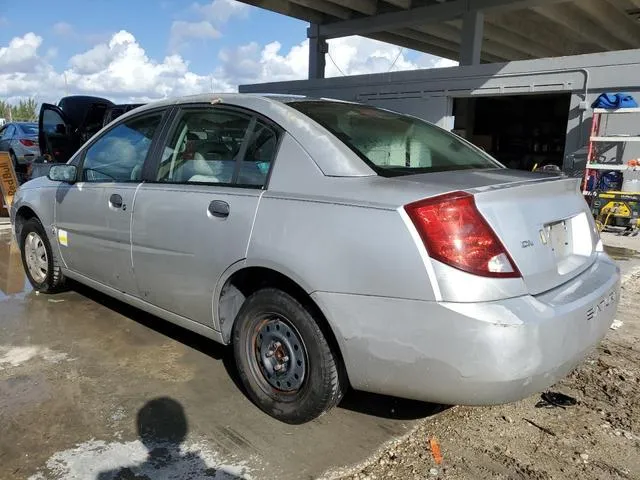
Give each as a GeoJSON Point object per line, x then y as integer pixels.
{"type": "Point", "coordinates": [216, 146]}
{"type": "Point", "coordinates": [393, 144]}
{"type": "Point", "coordinates": [29, 129]}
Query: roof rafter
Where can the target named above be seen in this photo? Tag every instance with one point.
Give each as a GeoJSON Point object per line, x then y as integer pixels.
{"type": "Point", "coordinates": [421, 15]}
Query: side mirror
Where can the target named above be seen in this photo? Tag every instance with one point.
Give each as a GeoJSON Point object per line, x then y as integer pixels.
{"type": "Point", "coordinates": [63, 173]}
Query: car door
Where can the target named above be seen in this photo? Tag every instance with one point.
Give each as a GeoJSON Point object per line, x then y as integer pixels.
{"type": "Point", "coordinates": [6, 134]}
{"type": "Point", "coordinates": [55, 134]}
{"type": "Point", "coordinates": [193, 217]}
{"type": "Point", "coordinates": [93, 215]}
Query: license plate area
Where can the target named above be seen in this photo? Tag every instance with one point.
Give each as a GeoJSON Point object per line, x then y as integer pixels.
{"type": "Point", "coordinates": [560, 238]}
{"type": "Point", "coordinates": [570, 241]}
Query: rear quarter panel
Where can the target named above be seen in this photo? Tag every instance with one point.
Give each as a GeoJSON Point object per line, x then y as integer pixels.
{"type": "Point", "coordinates": [325, 243]}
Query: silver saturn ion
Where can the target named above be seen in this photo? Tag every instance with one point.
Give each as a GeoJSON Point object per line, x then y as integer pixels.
{"type": "Point", "coordinates": [332, 244]}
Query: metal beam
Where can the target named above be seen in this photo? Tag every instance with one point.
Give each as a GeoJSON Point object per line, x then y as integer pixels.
{"type": "Point", "coordinates": [472, 33]}
{"type": "Point", "coordinates": [421, 15]}
{"type": "Point", "coordinates": [450, 42]}
{"type": "Point", "coordinates": [289, 9]}
{"type": "Point", "coordinates": [612, 20]}
{"type": "Point", "coordinates": [491, 50]}
{"type": "Point", "coordinates": [404, 4]}
{"type": "Point", "coordinates": [539, 34]}
{"type": "Point", "coordinates": [572, 18]}
{"type": "Point", "coordinates": [403, 41]}
{"type": "Point", "coordinates": [368, 7]}
{"type": "Point", "coordinates": [317, 50]}
{"type": "Point", "coordinates": [526, 45]}
{"type": "Point", "coordinates": [325, 7]}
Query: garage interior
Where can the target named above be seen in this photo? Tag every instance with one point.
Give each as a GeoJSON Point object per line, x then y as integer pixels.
{"type": "Point", "coordinates": [521, 131]}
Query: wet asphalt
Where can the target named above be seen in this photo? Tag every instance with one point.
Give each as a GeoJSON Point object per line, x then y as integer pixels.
{"type": "Point", "coordinates": [91, 388]}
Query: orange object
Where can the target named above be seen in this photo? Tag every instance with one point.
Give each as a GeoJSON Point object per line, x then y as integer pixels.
{"type": "Point", "coordinates": [435, 450]}
{"type": "Point", "coordinates": [633, 163]}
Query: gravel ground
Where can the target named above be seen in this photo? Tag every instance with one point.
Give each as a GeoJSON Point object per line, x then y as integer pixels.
{"type": "Point", "coordinates": [598, 438]}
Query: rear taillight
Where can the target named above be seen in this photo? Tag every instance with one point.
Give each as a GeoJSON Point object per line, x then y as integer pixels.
{"type": "Point", "coordinates": [27, 143]}
{"type": "Point", "coordinates": [455, 233]}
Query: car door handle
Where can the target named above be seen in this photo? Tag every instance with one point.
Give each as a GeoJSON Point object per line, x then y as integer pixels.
{"type": "Point", "coordinates": [219, 208]}
{"type": "Point", "coordinates": [115, 201]}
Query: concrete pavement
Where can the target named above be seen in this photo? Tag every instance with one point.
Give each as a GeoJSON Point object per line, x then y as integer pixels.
{"type": "Point", "coordinates": [91, 388]}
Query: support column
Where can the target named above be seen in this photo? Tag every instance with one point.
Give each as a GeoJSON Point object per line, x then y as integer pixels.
{"type": "Point", "coordinates": [318, 48]}
{"type": "Point", "coordinates": [470, 51]}
{"type": "Point", "coordinates": [472, 32]}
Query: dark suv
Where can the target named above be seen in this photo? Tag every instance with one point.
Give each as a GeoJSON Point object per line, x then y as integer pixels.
{"type": "Point", "coordinates": [65, 127]}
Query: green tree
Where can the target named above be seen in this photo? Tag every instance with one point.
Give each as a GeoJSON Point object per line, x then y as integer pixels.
{"type": "Point", "coordinates": [5, 110]}
{"type": "Point", "coordinates": [24, 110]}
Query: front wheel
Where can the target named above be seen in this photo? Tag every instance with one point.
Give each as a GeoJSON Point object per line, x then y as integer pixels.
{"type": "Point", "coordinates": [284, 360]}
{"type": "Point", "coordinates": [40, 264]}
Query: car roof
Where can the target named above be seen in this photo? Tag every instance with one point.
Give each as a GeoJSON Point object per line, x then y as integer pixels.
{"type": "Point", "coordinates": [332, 156]}
{"type": "Point", "coordinates": [230, 98]}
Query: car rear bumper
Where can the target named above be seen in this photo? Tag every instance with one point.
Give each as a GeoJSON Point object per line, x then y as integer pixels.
{"type": "Point", "coordinates": [473, 353]}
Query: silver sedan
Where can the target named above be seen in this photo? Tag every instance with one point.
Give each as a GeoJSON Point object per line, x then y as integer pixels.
{"type": "Point", "coordinates": [20, 139]}
{"type": "Point", "coordinates": [332, 244]}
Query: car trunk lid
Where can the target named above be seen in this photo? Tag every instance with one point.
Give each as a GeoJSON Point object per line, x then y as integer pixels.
{"type": "Point", "coordinates": [541, 219]}
{"type": "Point", "coordinates": [545, 225]}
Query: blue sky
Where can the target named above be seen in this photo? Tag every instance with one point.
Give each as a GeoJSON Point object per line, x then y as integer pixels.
{"type": "Point", "coordinates": [144, 49]}
{"type": "Point", "coordinates": [151, 27]}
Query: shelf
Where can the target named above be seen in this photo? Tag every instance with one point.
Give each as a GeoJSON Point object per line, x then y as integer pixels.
{"type": "Point", "coordinates": [604, 166]}
{"type": "Point", "coordinates": [608, 111]}
{"type": "Point", "coordinates": [616, 139]}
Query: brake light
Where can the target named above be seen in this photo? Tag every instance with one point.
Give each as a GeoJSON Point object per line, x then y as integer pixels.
{"type": "Point", "coordinates": [27, 143]}
{"type": "Point", "coordinates": [455, 233]}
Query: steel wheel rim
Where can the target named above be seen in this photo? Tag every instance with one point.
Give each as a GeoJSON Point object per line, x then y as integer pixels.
{"type": "Point", "coordinates": [35, 255]}
{"type": "Point", "coordinates": [280, 354]}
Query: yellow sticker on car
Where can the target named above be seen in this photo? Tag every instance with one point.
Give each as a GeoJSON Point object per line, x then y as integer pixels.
{"type": "Point", "coordinates": [63, 238]}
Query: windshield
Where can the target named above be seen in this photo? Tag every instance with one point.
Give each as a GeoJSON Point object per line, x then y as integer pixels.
{"type": "Point", "coordinates": [394, 144]}
{"type": "Point", "coordinates": [29, 128]}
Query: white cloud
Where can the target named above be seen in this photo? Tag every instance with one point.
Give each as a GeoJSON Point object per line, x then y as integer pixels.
{"type": "Point", "coordinates": [181, 31]}
{"type": "Point", "coordinates": [220, 11]}
{"type": "Point", "coordinates": [352, 56]}
{"type": "Point", "coordinates": [20, 54]}
{"type": "Point", "coordinates": [121, 69]}
{"type": "Point", "coordinates": [63, 29]}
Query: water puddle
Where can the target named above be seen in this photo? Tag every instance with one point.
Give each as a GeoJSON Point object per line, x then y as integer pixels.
{"type": "Point", "coordinates": [621, 253]}
{"type": "Point", "coordinates": [13, 281]}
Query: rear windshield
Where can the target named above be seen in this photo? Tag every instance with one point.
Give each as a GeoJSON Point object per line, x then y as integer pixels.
{"type": "Point", "coordinates": [29, 128]}
{"type": "Point", "coordinates": [394, 144]}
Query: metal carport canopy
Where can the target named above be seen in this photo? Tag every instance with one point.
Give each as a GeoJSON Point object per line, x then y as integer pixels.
{"type": "Point", "coordinates": [472, 30]}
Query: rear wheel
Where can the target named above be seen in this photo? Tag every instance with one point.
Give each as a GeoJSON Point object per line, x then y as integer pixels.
{"type": "Point", "coordinates": [286, 364]}
{"type": "Point", "coordinates": [40, 264]}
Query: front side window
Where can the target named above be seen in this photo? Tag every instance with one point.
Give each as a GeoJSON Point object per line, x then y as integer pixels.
{"type": "Point", "coordinates": [393, 144]}
{"type": "Point", "coordinates": [118, 156]}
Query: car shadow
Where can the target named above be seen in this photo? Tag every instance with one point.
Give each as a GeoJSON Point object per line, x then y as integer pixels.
{"type": "Point", "coordinates": [382, 406]}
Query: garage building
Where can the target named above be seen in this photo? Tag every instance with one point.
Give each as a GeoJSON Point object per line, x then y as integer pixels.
{"type": "Point", "coordinates": [529, 69]}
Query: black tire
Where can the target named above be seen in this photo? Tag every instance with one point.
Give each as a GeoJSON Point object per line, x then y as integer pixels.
{"type": "Point", "coordinates": [323, 379]}
{"type": "Point", "coordinates": [54, 280]}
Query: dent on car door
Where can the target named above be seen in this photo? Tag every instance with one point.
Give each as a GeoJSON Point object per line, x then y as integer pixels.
{"type": "Point", "coordinates": [193, 219]}
{"type": "Point", "coordinates": [93, 215]}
